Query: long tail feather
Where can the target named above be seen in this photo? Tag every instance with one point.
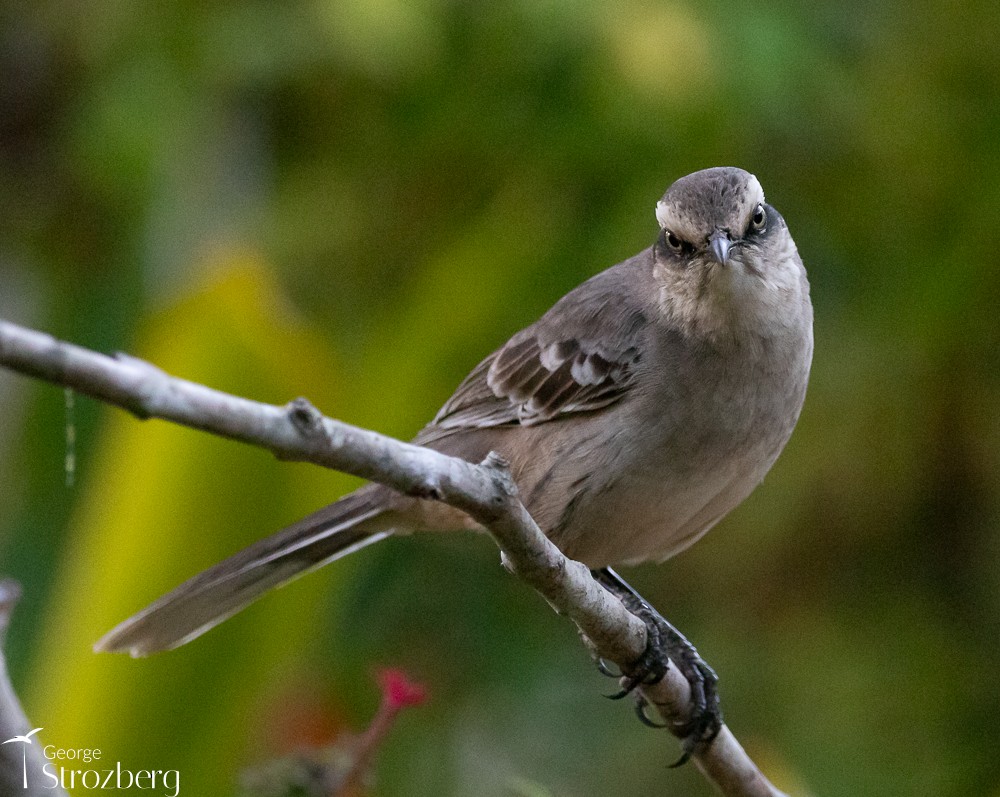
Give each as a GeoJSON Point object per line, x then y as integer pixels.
{"type": "Point", "coordinates": [204, 601]}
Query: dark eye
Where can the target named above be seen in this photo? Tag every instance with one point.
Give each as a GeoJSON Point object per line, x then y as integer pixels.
{"type": "Point", "coordinates": [673, 241]}
{"type": "Point", "coordinates": [759, 218]}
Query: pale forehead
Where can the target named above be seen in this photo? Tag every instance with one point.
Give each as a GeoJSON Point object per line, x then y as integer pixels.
{"type": "Point", "coordinates": [715, 198]}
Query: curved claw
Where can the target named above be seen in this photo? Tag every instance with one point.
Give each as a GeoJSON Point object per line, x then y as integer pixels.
{"type": "Point", "coordinates": [641, 704]}
{"type": "Point", "coordinates": [604, 669]}
{"type": "Point", "coordinates": [698, 740]}
{"type": "Point", "coordinates": [685, 757]}
{"type": "Point", "coordinates": [629, 685]}
{"type": "Point", "coordinates": [665, 645]}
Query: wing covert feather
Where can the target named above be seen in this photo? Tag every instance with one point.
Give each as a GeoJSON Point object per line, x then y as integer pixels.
{"type": "Point", "coordinates": [579, 357]}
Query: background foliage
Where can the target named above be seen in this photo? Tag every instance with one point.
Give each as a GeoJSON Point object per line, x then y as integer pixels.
{"type": "Point", "coordinates": [355, 200]}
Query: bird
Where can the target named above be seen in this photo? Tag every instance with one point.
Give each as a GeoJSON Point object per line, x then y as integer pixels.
{"type": "Point", "coordinates": [637, 412]}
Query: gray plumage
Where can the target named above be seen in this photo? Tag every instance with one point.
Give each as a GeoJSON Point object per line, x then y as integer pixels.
{"type": "Point", "coordinates": [637, 412]}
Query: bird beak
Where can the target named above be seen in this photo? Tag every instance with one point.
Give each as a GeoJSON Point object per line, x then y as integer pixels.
{"type": "Point", "coordinates": [719, 245]}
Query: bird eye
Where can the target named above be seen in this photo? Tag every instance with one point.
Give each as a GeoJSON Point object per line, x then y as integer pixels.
{"type": "Point", "coordinates": [759, 217]}
{"type": "Point", "coordinates": [673, 241]}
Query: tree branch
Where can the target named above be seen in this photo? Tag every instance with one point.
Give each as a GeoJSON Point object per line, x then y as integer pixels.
{"type": "Point", "coordinates": [485, 491]}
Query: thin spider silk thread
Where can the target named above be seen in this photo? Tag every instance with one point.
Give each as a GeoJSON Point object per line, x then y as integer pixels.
{"type": "Point", "coordinates": [70, 462]}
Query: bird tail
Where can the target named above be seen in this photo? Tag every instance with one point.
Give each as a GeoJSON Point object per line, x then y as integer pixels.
{"type": "Point", "coordinates": [357, 520]}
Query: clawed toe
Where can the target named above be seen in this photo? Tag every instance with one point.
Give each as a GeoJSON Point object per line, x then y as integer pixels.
{"type": "Point", "coordinates": [641, 706]}
{"type": "Point", "coordinates": [604, 669]}
{"type": "Point", "coordinates": [666, 645]}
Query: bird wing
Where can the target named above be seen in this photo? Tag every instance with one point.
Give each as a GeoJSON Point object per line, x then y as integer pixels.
{"type": "Point", "coordinates": [580, 356]}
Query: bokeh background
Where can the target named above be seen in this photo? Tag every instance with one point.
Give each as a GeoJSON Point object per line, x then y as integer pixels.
{"type": "Point", "coordinates": [355, 200]}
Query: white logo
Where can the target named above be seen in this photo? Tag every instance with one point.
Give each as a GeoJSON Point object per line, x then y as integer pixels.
{"type": "Point", "coordinates": [60, 771]}
{"type": "Point", "coordinates": [25, 740]}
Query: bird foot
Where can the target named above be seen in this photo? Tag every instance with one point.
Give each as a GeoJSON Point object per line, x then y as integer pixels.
{"type": "Point", "coordinates": [666, 645]}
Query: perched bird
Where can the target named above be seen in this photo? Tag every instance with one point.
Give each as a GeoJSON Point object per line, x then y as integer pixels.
{"type": "Point", "coordinates": [637, 412]}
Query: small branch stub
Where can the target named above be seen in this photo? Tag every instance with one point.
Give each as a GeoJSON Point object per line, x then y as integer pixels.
{"type": "Point", "coordinates": [306, 418]}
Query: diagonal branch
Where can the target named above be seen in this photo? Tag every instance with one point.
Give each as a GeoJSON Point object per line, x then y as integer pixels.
{"type": "Point", "coordinates": [485, 491]}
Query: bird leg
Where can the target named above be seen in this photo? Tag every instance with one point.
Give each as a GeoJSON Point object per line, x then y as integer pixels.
{"type": "Point", "coordinates": [665, 644]}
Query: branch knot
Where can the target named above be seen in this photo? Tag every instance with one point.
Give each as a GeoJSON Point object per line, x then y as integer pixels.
{"type": "Point", "coordinates": [304, 416]}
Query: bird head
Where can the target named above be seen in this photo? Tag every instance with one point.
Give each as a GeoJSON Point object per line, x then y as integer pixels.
{"type": "Point", "coordinates": [724, 256]}
{"type": "Point", "coordinates": [711, 217]}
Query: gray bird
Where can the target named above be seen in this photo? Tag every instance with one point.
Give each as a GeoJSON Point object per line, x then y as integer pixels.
{"type": "Point", "coordinates": [637, 412]}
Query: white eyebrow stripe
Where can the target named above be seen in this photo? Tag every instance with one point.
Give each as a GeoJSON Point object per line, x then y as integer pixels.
{"type": "Point", "coordinates": [662, 214]}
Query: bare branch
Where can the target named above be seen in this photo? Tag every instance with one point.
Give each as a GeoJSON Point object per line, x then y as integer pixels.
{"type": "Point", "coordinates": [486, 492]}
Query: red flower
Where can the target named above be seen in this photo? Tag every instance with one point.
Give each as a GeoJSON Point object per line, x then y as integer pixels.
{"type": "Point", "coordinates": [398, 691]}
